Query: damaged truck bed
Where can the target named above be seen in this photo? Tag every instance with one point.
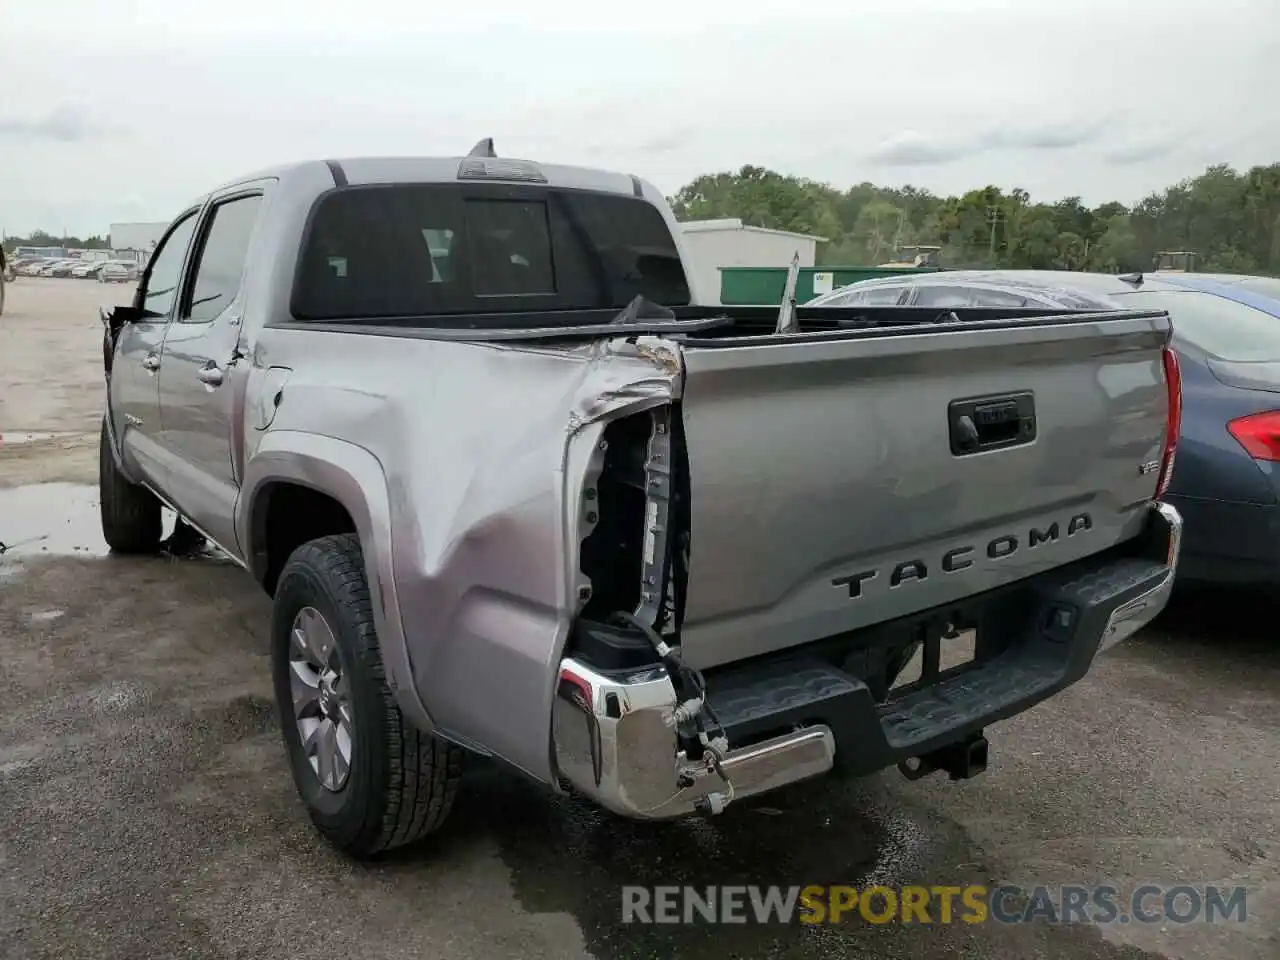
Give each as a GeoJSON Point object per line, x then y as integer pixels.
{"type": "Point", "coordinates": [515, 493]}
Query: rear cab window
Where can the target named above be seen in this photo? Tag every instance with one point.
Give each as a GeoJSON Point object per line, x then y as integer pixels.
{"type": "Point", "coordinates": [432, 251]}
{"type": "Point", "coordinates": [1221, 328]}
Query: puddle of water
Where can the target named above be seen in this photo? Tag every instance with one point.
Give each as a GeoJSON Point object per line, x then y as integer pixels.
{"type": "Point", "coordinates": [58, 518]}
{"type": "Point", "coordinates": [54, 518]}
{"type": "Point", "coordinates": [26, 436]}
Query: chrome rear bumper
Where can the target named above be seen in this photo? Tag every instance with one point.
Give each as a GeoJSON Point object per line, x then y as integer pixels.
{"type": "Point", "coordinates": [614, 743]}
{"type": "Point", "coordinates": [1128, 619]}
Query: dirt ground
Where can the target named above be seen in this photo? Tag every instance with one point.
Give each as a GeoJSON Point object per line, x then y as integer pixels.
{"type": "Point", "coordinates": [148, 812]}
{"type": "Point", "coordinates": [51, 378]}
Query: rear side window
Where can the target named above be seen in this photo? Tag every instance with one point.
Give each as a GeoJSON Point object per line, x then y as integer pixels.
{"type": "Point", "coordinates": [423, 250]}
{"type": "Point", "coordinates": [222, 257]}
{"type": "Point", "coordinates": [1221, 328]}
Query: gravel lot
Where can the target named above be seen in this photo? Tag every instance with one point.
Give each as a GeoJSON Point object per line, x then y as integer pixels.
{"type": "Point", "coordinates": [148, 811]}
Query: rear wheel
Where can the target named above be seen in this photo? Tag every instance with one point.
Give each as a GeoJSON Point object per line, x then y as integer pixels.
{"type": "Point", "coordinates": [131, 520]}
{"type": "Point", "coordinates": [369, 779]}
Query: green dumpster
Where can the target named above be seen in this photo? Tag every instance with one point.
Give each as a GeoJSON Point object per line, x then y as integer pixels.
{"type": "Point", "coordinates": [746, 286]}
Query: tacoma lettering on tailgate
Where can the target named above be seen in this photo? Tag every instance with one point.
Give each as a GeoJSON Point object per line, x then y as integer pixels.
{"type": "Point", "coordinates": [959, 558]}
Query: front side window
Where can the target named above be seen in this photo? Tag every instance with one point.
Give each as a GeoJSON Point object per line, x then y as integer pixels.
{"type": "Point", "coordinates": [222, 257]}
{"type": "Point", "coordinates": [165, 271]}
{"type": "Point", "coordinates": [426, 250]}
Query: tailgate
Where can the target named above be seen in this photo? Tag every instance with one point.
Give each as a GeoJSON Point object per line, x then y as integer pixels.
{"type": "Point", "coordinates": [835, 485]}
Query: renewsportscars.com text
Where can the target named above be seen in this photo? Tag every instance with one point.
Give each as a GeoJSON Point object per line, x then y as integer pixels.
{"type": "Point", "coordinates": [814, 904]}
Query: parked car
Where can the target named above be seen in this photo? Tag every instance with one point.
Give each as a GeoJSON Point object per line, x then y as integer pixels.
{"type": "Point", "coordinates": [34, 268]}
{"type": "Point", "coordinates": [57, 268]}
{"type": "Point", "coordinates": [118, 271]}
{"type": "Point", "coordinates": [661, 554]}
{"type": "Point", "coordinates": [87, 269]}
{"type": "Point", "coordinates": [1226, 479]}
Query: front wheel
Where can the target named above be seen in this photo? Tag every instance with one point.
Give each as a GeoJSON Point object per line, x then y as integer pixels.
{"type": "Point", "coordinates": [131, 521]}
{"type": "Point", "coordinates": [370, 780]}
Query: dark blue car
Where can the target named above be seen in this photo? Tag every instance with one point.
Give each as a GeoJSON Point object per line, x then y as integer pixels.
{"type": "Point", "coordinates": [1226, 477]}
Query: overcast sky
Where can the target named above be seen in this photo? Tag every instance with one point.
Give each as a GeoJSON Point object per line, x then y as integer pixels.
{"type": "Point", "coordinates": [117, 110]}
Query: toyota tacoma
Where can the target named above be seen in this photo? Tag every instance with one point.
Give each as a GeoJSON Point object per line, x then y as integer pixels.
{"type": "Point", "coordinates": [518, 493]}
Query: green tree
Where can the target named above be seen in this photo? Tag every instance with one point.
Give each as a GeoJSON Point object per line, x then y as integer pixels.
{"type": "Point", "coordinates": [1231, 219]}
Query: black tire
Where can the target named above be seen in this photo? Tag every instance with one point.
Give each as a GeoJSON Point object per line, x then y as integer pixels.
{"type": "Point", "coordinates": [402, 782]}
{"type": "Point", "coordinates": [130, 514]}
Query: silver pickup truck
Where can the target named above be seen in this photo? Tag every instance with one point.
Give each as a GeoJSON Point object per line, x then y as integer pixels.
{"type": "Point", "coordinates": [516, 494]}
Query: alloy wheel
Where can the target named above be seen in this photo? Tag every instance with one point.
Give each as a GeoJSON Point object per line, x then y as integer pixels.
{"type": "Point", "coordinates": [321, 698]}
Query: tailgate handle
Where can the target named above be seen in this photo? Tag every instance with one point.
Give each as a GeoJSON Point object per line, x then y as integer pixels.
{"type": "Point", "coordinates": [991, 423]}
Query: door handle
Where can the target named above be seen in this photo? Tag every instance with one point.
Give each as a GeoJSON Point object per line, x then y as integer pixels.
{"type": "Point", "coordinates": [991, 423]}
{"type": "Point", "coordinates": [151, 361]}
{"type": "Point", "coordinates": [210, 376]}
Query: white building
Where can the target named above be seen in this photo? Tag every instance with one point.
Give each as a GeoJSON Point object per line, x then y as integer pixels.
{"type": "Point", "coordinates": [142, 237]}
{"type": "Point", "coordinates": [712, 244]}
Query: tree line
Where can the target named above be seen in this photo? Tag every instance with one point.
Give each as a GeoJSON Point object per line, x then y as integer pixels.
{"type": "Point", "coordinates": [40, 238]}
{"type": "Point", "coordinates": [1231, 220]}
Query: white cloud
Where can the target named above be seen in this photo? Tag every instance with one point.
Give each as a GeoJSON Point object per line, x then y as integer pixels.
{"type": "Point", "coordinates": [1107, 101]}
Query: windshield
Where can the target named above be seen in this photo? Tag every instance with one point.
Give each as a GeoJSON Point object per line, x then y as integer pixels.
{"type": "Point", "coordinates": [1221, 328]}
{"type": "Point", "coordinates": [1263, 286]}
{"type": "Point", "coordinates": [424, 250]}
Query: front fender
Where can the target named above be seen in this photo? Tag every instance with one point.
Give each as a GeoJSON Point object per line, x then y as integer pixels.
{"type": "Point", "coordinates": [355, 478]}
{"type": "Point", "coordinates": [109, 332]}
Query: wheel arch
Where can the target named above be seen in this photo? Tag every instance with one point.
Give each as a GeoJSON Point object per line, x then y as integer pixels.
{"type": "Point", "coordinates": [353, 478]}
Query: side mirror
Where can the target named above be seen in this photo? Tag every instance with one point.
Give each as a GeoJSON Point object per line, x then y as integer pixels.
{"type": "Point", "coordinates": [113, 318]}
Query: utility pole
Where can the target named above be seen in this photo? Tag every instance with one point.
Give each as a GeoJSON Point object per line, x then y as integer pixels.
{"type": "Point", "coordinates": [994, 216]}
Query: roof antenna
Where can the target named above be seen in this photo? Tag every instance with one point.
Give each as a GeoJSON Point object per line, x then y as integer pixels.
{"type": "Point", "coordinates": [1135, 279]}
{"type": "Point", "coordinates": [483, 149]}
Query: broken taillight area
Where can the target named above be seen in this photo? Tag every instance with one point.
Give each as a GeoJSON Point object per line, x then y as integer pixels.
{"type": "Point", "coordinates": [1259, 434]}
{"type": "Point", "coordinates": [636, 555]}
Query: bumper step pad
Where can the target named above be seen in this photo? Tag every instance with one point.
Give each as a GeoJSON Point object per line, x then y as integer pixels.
{"type": "Point", "coordinates": [1068, 614]}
